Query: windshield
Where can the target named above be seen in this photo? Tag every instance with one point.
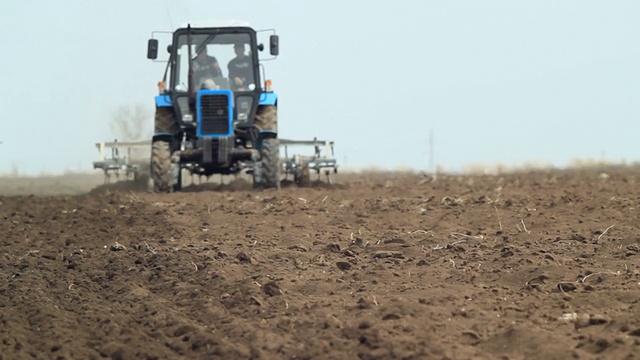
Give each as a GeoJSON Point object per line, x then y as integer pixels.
{"type": "Point", "coordinates": [220, 61]}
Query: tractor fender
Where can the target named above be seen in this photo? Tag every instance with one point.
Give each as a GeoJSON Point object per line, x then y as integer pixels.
{"type": "Point", "coordinates": [163, 101]}
{"type": "Point", "coordinates": [268, 98]}
{"type": "Point", "coordinates": [168, 137]}
{"type": "Point", "coordinates": [268, 134]}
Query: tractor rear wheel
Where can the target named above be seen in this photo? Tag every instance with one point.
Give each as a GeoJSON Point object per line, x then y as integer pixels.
{"type": "Point", "coordinates": [165, 121]}
{"type": "Point", "coordinates": [163, 172]}
{"type": "Point", "coordinates": [269, 174]}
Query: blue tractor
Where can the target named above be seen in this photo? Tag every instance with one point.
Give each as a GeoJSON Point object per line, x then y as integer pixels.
{"type": "Point", "coordinates": [214, 113]}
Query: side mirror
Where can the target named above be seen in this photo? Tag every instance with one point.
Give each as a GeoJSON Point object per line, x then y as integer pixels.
{"type": "Point", "coordinates": [152, 49]}
{"type": "Point", "coordinates": [169, 48]}
{"type": "Point", "coordinates": [274, 45]}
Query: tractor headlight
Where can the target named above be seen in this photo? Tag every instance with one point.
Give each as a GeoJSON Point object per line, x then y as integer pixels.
{"type": "Point", "coordinates": [243, 107]}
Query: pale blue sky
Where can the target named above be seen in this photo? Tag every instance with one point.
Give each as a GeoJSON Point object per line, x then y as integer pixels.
{"type": "Point", "coordinates": [497, 81]}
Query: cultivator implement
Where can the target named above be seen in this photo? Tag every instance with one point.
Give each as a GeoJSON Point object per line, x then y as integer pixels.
{"type": "Point", "coordinates": [302, 166]}
{"type": "Point", "coordinates": [129, 158]}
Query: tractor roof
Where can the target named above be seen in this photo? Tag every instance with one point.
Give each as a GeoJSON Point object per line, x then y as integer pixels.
{"type": "Point", "coordinates": [215, 24]}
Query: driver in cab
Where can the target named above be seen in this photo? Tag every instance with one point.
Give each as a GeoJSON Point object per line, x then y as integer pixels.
{"type": "Point", "coordinates": [206, 70]}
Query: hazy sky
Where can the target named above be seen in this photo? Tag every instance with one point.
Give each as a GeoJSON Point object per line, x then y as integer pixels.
{"type": "Point", "coordinates": [496, 81]}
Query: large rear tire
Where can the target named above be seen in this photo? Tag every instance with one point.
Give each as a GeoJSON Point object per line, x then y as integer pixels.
{"type": "Point", "coordinates": [162, 171]}
{"type": "Point", "coordinates": [166, 177]}
{"type": "Point", "coordinates": [268, 175]}
{"type": "Point", "coordinates": [165, 121]}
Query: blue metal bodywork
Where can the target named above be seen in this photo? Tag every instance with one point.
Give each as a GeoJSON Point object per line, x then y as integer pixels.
{"type": "Point", "coordinates": [268, 99]}
{"type": "Point", "coordinates": [265, 99]}
{"type": "Point", "coordinates": [163, 100]}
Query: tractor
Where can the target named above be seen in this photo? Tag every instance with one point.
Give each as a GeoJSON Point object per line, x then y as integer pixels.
{"type": "Point", "coordinates": [214, 113]}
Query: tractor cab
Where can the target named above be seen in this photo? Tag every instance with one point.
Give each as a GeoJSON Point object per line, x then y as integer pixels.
{"type": "Point", "coordinates": [218, 61]}
{"type": "Point", "coordinates": [214, 115]}
{"type": "Point", "coordinates": [214, 56]}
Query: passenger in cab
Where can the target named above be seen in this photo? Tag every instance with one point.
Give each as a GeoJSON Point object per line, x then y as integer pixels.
{"type": "Point", "coordinates": [240, 70]}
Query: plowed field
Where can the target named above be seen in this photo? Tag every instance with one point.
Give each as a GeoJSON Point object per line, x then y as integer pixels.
{"type": "Point", "coordinates": [541, 265]}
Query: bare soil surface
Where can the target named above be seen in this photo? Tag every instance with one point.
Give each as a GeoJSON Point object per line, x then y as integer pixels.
{"type": "Point", "coordinates": [542, 265]}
